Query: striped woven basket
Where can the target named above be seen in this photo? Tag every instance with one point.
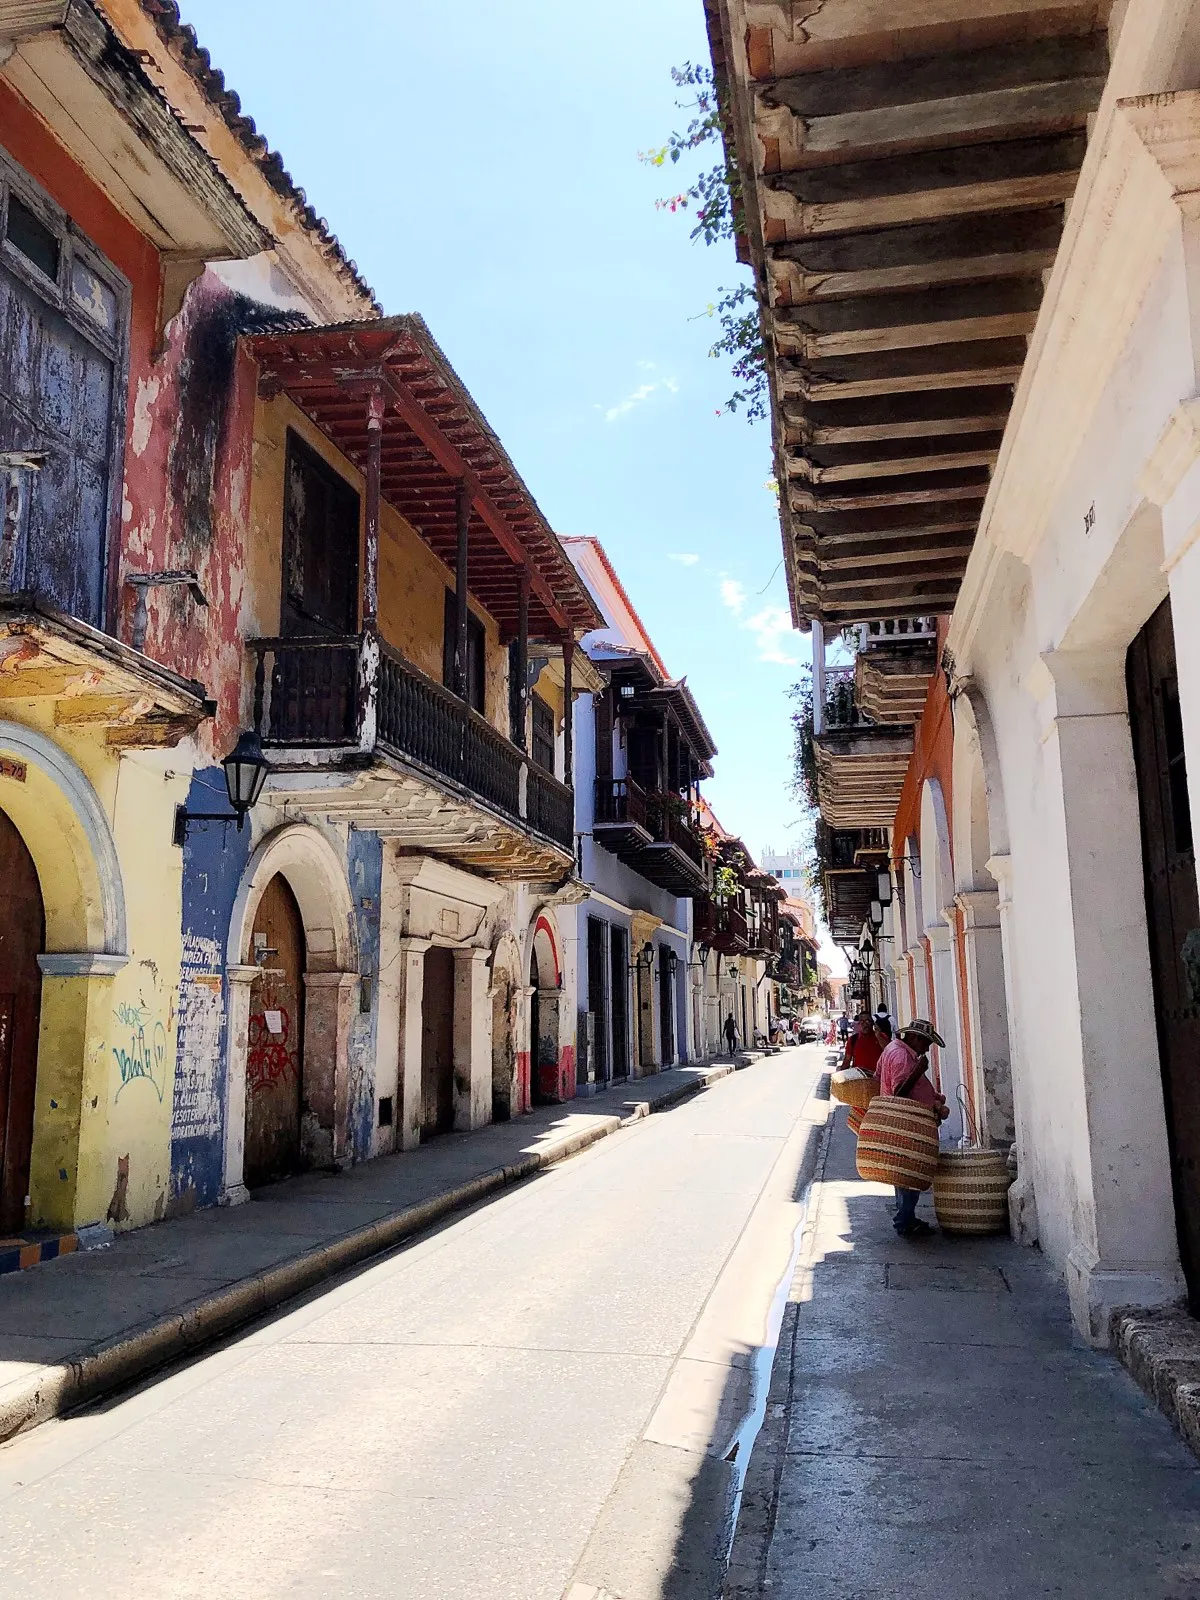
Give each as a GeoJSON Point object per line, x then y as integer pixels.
{"type": "Point", "coordinates": [970, 1191]}
{"type": "Point", "coordinates": [898, 1143]}
{"type": "Point", "coordinates": [854, 1088]}
{"type": "Point", "coordinates": [854, 1118]}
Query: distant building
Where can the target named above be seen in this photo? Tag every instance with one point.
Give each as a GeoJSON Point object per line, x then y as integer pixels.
{"type": "Point", "coordinates": [791, 867]}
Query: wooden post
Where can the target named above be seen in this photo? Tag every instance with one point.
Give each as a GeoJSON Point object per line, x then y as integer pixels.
{"type": "Point", "coordinates": [520, 697]}
{"type": "Point", "coordinates": [818, 676]}
{"type": "Point", "coordinates": [461, 687]}
{"type": "Point", "coordinates": [370, 588]}
{"type": "Point", "coordinates": [568, 650]}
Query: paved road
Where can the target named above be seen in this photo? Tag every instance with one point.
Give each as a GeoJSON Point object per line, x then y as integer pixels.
{"type": "Point", "coordinates": [534, 1400]}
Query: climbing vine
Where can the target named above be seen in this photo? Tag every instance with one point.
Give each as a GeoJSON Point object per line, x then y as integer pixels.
{"type": "Point", "coordinates": [714, 197]}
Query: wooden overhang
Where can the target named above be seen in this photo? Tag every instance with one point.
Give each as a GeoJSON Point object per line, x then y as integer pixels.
{"type": "Point", "coordinates": [435, 445]}
{"type": "Point", "coordinates": [64, 60]}
{"type": "Point", "coordinates": [903, 174]}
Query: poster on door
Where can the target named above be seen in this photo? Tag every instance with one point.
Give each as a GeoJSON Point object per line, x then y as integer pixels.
{"type": "Point", "coordinates": [196, 1107]}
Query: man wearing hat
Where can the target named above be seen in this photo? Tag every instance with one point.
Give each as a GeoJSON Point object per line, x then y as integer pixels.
{"type": "Point", "coordinates": [901, 1071]}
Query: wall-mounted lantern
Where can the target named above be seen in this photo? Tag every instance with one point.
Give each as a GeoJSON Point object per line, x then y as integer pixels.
{"type": "Point", "coordinates": [883, 886]}
{"type": "Point", "coordinates": [245, 770]}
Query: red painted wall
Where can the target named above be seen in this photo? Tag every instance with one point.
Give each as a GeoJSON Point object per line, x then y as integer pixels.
{"type": "Point", "coordinates": [932, 757]}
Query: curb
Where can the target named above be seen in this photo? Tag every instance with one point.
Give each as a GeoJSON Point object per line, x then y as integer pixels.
{"type": "Point", "coordinates": [54, 1390]}
{"type": "Point", "coordinates": [1160, 1348]}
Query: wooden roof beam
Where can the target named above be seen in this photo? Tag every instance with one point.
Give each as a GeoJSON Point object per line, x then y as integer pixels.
{"type": "Point", "coordinates": [974, 364]}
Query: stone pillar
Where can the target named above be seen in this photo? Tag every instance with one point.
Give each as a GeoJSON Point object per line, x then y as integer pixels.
{"type": "Point", "coordinates": [1022, 1196]}
{"type": "Point", "coordinates": [945, 1003]}
{"type": "Point", "coordinates": [71, 1171]}
{"type": "Point", "coordinates": [987, 1010]}
{"type": "Point", "coordinates": [472, 1041]}
{"type": "Point", "coordinates": [410, 1004]}
{"type": "Point", "coordinates": [389, 1002]}
{"type": "Point", "coordinates": [903, 1011]}
{"type": "Point", "coordinates": [1122, 1212]}
{"type": "Point", "coordinates": [237, 1024]}
{"type": "Point", "coordinates": [330, 1002]}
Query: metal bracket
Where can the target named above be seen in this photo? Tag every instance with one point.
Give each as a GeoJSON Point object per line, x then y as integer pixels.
{"type": "Point", "coordinates": [144, 581]}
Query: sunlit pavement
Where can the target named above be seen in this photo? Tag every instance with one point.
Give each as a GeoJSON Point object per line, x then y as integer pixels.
{"type": "Point", "coordinates": [500, 1409]}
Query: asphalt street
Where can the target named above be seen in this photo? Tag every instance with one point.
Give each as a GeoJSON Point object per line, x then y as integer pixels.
{"type": "Point", "coordinates": [547, 1396]}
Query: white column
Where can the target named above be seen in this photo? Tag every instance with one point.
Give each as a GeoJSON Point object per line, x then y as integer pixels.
{"type": "Point", "coordinates": [472, 1041]}
{"type": "Point", "coordinates": [988, 1013]}
{"type": "Point", "coordinates": [945, 998]}
{"type": "Point", "coordinates": [1022, 1196]}
{"type": "Point", "coordinates": [389, 1001]}
{"type": "Point", "coordinates": [411, 987]}
{"type": "Point", "coordinates": [233, 1185]}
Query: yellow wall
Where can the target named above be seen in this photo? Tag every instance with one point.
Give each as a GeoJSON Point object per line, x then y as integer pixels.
{"type": "Point", "coordinates": [88, 1112]}
{"type": "Point", "coordinates": [412, 581]}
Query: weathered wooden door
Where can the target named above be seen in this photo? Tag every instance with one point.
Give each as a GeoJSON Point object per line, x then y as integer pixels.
{"type": "Point", "coordinates": [275, 1048]}
{"type": "Point", "coordinates": [437, 1042]}
{"type": "Point", "coordinates": [1172, 910]}
{"type": "Point", "coordinates": [619, 968]}
{"type": "Point", "coordinates": [598, 996]}
{"type": "Point", "coordinates": [666, 1004]}
{"type": "Point", "coordinates": [22, 937]}
{"type": "Point", "coordinates": [56, 399]}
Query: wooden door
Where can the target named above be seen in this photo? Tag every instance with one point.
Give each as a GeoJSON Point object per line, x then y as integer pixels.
{"type": "Point", "coordinates": [275, 1052]}
{"type": "Point", "coordinates": [666, 1005]}
{"type": "Point", "coordinates": [597, 954]}
{"type": "Point", "coordinates": [619, 970]}
{"type": "Point", "coordinates": [1172, 912]}
{"type": "Point", "coordinates": [22, 937]}
{"type": "Point", "coordinates": [437, 1043]}
{"type": "Point", "coordinates": [56, 398]}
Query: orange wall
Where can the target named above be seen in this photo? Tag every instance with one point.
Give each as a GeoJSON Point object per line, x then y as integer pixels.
{"type": "Point", "coordinates": [932, 757]}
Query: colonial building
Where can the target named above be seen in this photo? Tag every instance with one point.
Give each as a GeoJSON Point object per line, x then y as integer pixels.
{"type": "Point", "coordinates": [244, 511]}
{"type": "Point", "coordinates": [975, 231]}
{"type": "Point", "coordinates": [642, 749]}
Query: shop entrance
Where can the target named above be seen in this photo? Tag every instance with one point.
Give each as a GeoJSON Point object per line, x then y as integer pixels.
{"type": "Point", "coordinates": [1172, 911]}
{"type": "Point", "coordinates": [22, 937]}
{"type": "Point", "coordinates": [437, 1043]}
{"type": "Point", "coordinates": [275, 1043]}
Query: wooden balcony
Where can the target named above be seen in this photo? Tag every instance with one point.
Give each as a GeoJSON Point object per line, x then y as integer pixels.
{"type": "Point", "coordinates": [721, 927]}
{"type": "Point", "coordinates": [365, 736]}
{"type": "Point", "coordinates": [644, 831]}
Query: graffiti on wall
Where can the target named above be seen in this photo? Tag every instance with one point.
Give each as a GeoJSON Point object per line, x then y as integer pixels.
{"type": "Point", "coordinates": [196, 1103]}
{"type": "Point", "coordinates": [141, 1050]}
{"type": "Point", "coordinates": [272, 1054]}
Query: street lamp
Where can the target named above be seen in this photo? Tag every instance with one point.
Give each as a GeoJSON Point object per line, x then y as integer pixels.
{"type": "Point", "coordinates": [883, 886]}
{"type": "Point", "coordinates": [245, 770]}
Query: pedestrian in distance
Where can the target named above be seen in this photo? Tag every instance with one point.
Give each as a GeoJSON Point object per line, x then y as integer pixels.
{"type": "Point", "coordinates": [843, 1027]}
{"type": "Point", "coordinates": [863, 1049]}
{"type": "Point", "coordinates": [731, 1035]}
{"type": "Point", "coordinates": [901, 1072]}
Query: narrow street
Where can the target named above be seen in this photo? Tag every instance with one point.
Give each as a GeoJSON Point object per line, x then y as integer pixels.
{"type": "Point", "coordinates": [535, 1396]}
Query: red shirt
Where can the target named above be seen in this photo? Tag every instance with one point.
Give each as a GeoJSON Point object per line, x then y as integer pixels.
{"type": "Point", "coordinates": [896, 1066]}
{"type": "Point", "coordinates": [862, 1051]}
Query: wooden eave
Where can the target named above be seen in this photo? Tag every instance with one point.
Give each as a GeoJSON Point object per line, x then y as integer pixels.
{"type": "Point", "coordinates": [904, 176]}
{"type": "Point", "coordinates": [434, 440]}
{"type": "Point", "coordinates": [66, 62]}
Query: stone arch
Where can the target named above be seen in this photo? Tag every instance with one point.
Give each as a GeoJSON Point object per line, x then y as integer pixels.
{"type": "Point", "coordinates": [937, 876]}
{"type": "Point", "coordinates": [543, 974]}
{"type": "Point", "coordinates": [316, 875]}
{"type": "Point", "coordinates": [59, 815]}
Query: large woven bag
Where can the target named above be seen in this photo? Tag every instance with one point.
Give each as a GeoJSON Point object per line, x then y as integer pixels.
{"type": "Point", "coordinates": [854, 1088]}
{"type": "Point", "coordinates": [854, 1118]}
{"type": "Point", "coordinates": [970, 1191]}
{"type": "Point", "coordinates": [898, 1143]}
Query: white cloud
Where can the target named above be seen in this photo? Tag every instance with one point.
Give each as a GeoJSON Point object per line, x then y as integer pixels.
{"type": "Point", "coordinates": [733, 595]}
{"type": "Point", "coordinates": [641, 394]}
{"type": "Point", "coordinates": [684, 560]}
{"type": "Point", "coordinates": [771, 627]}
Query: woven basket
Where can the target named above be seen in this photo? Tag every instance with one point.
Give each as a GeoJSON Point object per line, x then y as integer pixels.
{"type": "Point", "coordinates": [854, 1118]}
{"type": "Point", "coordinates": [970, 1191]}
{"type": "Point", "coordinates": [898, 1143]}
{"type": "Point", "coordinates": [854, 1088]}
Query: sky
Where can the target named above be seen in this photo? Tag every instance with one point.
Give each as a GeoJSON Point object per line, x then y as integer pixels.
{"type": "Point", "coordinates": [479, 161]}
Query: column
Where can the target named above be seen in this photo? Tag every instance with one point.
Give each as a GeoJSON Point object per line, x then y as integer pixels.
{"type": "Point", "coordinates": [411, 991]}
{"type": "Point", "coordinates": [945, 1005]}
{"type": "Point", "coordinates": [987, 1013]}
{"type": "Point", "coordinates": [568, 651]}
{"type": "Point", "coordinates": [520, 690]}
{"type": "Point", "coordinates": [370, 590]}
{"type": "Point", "coordinates": [239, 981]}
{"type": "Point", "coordinates": [472, 1041]}
{"type": "Point", "coordinates": [330, 1004]}
{"type": "Point", "coordinates": [461, 576]}
{"type": "Point", "coordinates": [1109, 1113]}
{"type": "Point", "coordinates": [1022, 1196]}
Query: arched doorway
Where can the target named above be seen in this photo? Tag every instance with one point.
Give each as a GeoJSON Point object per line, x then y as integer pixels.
{"type": "Point", "coordinates": [275, 1042]}
{"type": "Point", "coordinates": [22, 938]}
{"type": "Point", "coordinates": [545, 981]}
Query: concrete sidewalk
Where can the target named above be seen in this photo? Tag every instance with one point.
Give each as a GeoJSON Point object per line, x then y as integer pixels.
{"type": "Point", "coordinates": [935, 1431]}
{"type": "Point", "coordinates": [73, 1328]}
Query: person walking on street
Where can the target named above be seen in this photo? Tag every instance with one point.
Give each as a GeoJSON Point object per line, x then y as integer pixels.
{"type": "Point", "coordinates": [843, 1027]}
{"type": "Point", "coordinates": [901, 1072]}
{"type": "Point", "coordinates": [863, 1049]}
{"type": "Point", "coordinates": [731, 1034]}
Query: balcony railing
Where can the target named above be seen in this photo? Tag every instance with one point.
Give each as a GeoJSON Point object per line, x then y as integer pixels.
{"type": "Point", "coordinates": [841, 708]}
{"type": "Point", "coordinates": [353, 693]}
{"type": "Point", "coordinates": [720, 926]}
{"type": "Point", "coordinates": [892, 630]}
{"type": "Point", "coordinates": [620, 802]}
{"type": "Point", "coordinates": [668, 827]}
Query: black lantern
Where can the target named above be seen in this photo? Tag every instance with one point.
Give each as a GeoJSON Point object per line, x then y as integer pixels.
{"type": "Point", "coordinates": [883, 886]}
{"type": "Point", "coordinates": [245, 773]}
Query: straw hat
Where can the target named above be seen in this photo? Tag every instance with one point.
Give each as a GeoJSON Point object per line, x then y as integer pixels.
{"type": "Point", "coordinates": [923, 1030]}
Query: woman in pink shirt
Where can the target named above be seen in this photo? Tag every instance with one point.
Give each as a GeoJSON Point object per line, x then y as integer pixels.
{"type": "Point", "coordinates": [901, 1071]}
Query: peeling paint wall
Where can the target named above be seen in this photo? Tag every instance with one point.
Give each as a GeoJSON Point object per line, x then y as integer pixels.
{"type": "Point", "coordinates": [365, 869]}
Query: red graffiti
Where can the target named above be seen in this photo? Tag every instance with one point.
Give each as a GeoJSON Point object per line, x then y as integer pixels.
{"type": "Point", "coordinates": [268, 1059]}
